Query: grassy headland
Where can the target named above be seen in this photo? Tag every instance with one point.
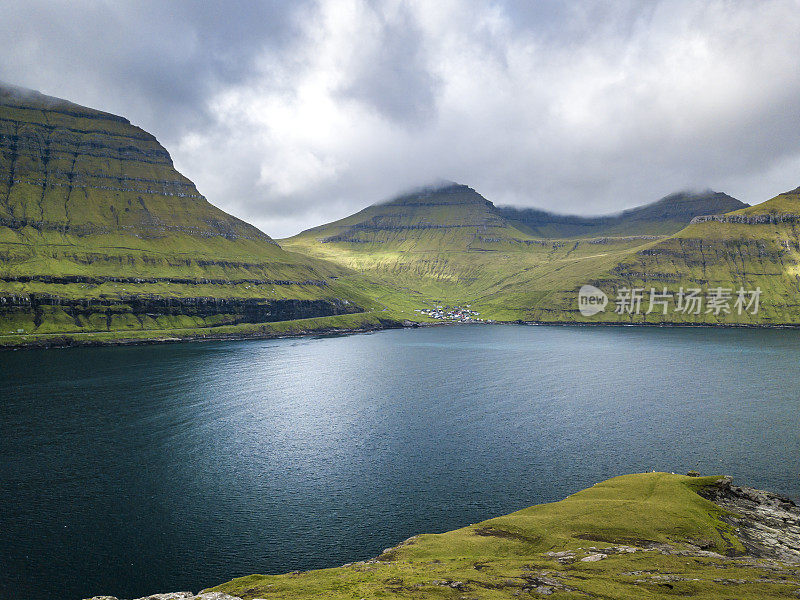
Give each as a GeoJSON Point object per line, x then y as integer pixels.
{"type": "Point", "coordinates": [636, 536]}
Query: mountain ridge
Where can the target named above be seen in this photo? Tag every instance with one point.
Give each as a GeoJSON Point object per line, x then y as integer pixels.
{"type": "Point", "coordinates": [30, 98]}
{"type": "Point", "coordinates": [672, 212]}
{"type": "Point", "coordinates": [662, 217]}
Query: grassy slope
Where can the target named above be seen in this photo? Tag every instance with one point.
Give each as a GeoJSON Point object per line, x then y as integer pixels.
{"type": "Point", "coordinates": [707, 255]}
{"type": "Point", "coordinates": [502, 269]}
{"type": "Point", "coordinates": [86, 193]}
{"type": "Point", "coordinates": [506, 556]}
{"type": "Point", "coordinates": [476, 255]}
{"type": "Point", "coordinates": [431, 247]}
{"type": "Point", "coordinates": [90, 203]}
{"type": "Point", "coordinates": [490, 274]}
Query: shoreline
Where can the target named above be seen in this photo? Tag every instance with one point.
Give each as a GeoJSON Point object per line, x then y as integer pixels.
{"type": "Point", "coordinates": [67, 340]}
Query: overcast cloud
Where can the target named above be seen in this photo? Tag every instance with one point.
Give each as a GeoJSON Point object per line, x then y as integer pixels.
{"type": "Point", "coordinates": [291, 114]}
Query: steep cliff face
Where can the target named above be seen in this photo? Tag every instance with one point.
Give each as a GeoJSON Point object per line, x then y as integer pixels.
{"type": "Point", "coordinates": [75, 170]}
{"type": "Point", "coordinates": [93, 213]}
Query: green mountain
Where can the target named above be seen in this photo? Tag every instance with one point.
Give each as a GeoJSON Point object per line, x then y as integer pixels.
{"type": "Point", "coordinates": [448, 245]}
{"type": "Point", "coordinates": [750, 250]}
{"type": "Point", "coordinates": [664, 217]}
{"type": "Point", "coordinates": [451, 216]}
{"type": "Point", "coordinates": [100, 233]}
{"type": "Point", "coordinates": [651, 535]}
{"type": "Point", "coordinates": [743, 267]}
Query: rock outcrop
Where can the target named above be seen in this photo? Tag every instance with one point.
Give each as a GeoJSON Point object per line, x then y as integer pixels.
{"type": "Point", "coordinates": [767, 524]}
{"type": "Point", "coordinates": [178, 596]}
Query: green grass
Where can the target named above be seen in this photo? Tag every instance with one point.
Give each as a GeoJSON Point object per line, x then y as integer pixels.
{"type": "Point", "coordinates": [504, 556]}
{"type": "Point", "coordinates": [185, 328]}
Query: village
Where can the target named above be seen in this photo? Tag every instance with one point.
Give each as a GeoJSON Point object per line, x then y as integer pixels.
{"type": "Point", "coordinates": [452, 313]}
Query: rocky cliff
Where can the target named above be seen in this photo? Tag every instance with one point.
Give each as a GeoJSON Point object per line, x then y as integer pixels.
{"type": "Point", "coordinates": [76, 170]}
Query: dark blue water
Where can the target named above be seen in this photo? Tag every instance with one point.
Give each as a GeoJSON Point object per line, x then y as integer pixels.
{"type": "Point", "coordinates": [127, 471]}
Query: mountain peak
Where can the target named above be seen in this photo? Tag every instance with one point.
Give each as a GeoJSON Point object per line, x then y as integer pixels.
{"type": "Point", "coordinates": [689, 194]}
{"type": "Point", "coordinates": [686, 205]}
{"type": "Point", "coordinates": [68, 168]}
{"type": "Point", "coordinates": [700, 197]}
{"type": "Point", "coordinates": [14, 96]}
{"type": "Point", "coordinates": [445, 193]}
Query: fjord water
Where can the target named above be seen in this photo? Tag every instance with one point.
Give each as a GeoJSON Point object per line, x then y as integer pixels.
{"type": "Point", "coordinates": [128, 471]}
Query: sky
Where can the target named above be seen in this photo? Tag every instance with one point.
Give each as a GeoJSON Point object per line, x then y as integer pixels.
{"type": "Point", "coordinates": [292, 114]}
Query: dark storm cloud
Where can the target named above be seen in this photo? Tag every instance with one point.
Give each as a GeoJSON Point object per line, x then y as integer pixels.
{"type": "Point", "coordinates": [290, 114]}
{"type": "Point", "coordinates": [155, 62]}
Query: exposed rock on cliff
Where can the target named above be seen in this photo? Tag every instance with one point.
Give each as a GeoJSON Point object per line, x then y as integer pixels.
{"type": "Point", "coordinates": [767, 524]}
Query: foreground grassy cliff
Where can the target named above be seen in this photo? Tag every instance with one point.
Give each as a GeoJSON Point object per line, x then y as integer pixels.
{"type": "Point", "coordinates": [100, 234]}
{"type": "Point", "coordinates": [637, 536]}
